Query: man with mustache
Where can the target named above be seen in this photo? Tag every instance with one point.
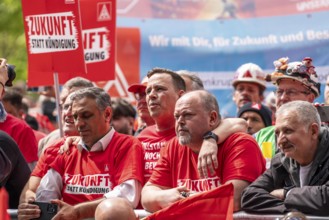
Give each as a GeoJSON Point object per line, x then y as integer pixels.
{"type": "Point", "coordinates": [298, 178]}
{"type": "Point", "coordinates": [163, 89]}
{"type": "Point", "coordinates": [249, 84]}
{"type": "Point", "coordinates": [294, 81]}
{"type": "Point", "coordinates": [240, 160]}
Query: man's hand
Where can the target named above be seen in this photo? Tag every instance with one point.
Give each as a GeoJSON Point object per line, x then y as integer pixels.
{"type": "Point", "coordinates": [27, 210]}
{"type": "Point", "coordinates": [207, 160]}
{"type": "Point", "coordinates": [66, 211]}
{"type": "Point", "coordinates": [73, 140]}
{"type": "Point", "coordinates": [173, 195]}
{"type": "Point", "coordinates": [278, 193]}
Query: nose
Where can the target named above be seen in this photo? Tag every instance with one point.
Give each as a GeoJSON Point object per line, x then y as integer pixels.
{"type": "Point", "coordinates": [68, 111]}
{"type": "Point", "coordinates": [151, 94]}
{"type": "Point", "coordinates": [280, 138]}
{"type": "Point", "coordinates": [78, 122]}
{"type": "Point", "coordinates": [180, 120]}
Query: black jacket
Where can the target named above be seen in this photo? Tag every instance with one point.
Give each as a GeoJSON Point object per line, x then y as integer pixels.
{"type": "Point", "coordinates": [313, 198]}
{"type": "Point", "coordinates": [14, 171]}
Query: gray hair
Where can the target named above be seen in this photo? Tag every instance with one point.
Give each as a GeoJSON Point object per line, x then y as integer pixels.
{"type": "Point", "coordinates": [197, 83]}
{"type": "Point", "coordinates": [102, 98]}
{"type": "Point", "coordinates": [305, 112]}
{"type": "Point", "coordinates": [78, 82]}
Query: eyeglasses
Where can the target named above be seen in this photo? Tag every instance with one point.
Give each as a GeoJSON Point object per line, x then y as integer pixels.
{"type": "Point", "coordinates": [139, 95]}
{"type": "Point", "coordinates": [290, 92]}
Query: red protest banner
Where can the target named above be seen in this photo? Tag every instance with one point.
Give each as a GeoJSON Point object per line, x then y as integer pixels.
{"type": "Point", "coordinates": [216, 204]}
{"type": "Point", "coordinates": [98, 31]}
{"type": "Point", "coordinates": [54, 40]}
{"type": "Point", "coordinates": [127, 63]}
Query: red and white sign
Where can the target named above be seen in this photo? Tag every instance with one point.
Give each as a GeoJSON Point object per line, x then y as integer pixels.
{"type": "Point", "coordinates": [98, 32]}
{"type": "Point", "coordinates": [54, 40]}
{"type": "Point", "coordinates": [59, 41]}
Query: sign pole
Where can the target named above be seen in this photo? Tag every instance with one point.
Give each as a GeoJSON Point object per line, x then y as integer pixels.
{"type": "Point", "coordinates": [59, 110]}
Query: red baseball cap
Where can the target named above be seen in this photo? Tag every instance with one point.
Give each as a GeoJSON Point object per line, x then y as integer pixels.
{"type": "Point", "coordinates": [138, 87]}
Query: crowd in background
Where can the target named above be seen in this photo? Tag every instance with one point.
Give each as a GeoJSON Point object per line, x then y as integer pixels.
{"type": "Point", "coordinates": [281, 133]}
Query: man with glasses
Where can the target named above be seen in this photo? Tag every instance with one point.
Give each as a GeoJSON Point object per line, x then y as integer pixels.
{"type": "Point", "coordinates": [294, 81]}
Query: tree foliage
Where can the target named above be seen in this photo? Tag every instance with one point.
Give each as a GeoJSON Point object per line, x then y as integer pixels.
{"type": "Point", "coordinates": [12, 38]}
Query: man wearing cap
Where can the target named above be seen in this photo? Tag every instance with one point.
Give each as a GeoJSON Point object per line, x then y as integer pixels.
{"type": "Point", "coordinates": [144, 117]}
{"type": "Point", "coordinates": [257, 115]}
{"type": "Point", "coordinates": [249, 84]}
{"type": "Point", "coordinates": [163, 90]}
{"type": "Point", "coordinates": [294, 81]}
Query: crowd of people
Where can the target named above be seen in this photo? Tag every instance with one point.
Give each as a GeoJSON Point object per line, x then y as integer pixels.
{"type": "Point", "coordinates": [113, 157]}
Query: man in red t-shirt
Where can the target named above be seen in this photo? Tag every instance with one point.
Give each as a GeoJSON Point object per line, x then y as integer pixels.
{"type": "Point", "coordinates": [240, 160]}
{"type": "Point", "coordinates": [53, 141]}
{"type": "Point", "coordinates": [163, 89]}
{"type": "Point", "coordinates": [105, 163]}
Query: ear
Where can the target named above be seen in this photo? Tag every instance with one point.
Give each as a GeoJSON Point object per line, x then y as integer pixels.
{"type": "Point", "coordinates": [315, 129]}
{"type": "Point", "coordinates": [181, 92]}
{"type": "Point", "coordinates": [21, 113]}
{"type": "Point", "coordinates": [311, 97]}
{"type": "Point", "coordinates": [213, 118]}
{"type": "Point", "coordinates": [2, 94]}
{"type": "Point", "coordinates": [108, 114]}
{"type": "Point", "coordinates": [131, 121]}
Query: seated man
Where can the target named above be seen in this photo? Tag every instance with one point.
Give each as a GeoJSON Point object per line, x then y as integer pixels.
{"type": "Point", "coordinates": [298, 178]}
{"type": "Point", "coordinates": [239, 157]}
{"type": "Point", "coordinates": [105, 163]}
{"type": "Point", "coordinates": [50, 144]}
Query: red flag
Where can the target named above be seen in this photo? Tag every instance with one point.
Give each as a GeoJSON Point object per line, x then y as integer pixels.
{"type": "Point", "coordinates": [213, 204]}
{"type": "Point", "coordinates": [4, 204]}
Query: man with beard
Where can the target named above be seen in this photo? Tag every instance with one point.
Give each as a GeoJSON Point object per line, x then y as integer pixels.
{"type": "Point", "coordinates": [163, 89]}
{"type": "Point", "coordinates": [240, 160]}
{"type": "Point", "coordinates": [298, 178]}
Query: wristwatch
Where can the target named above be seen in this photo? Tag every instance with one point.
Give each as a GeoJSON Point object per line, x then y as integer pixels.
{"type": "Point", "coordinates": [210, 134]}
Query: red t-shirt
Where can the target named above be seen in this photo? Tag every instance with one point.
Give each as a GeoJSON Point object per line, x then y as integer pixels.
{"type": "Point", "coordinates": [23, 135]}
{"type": "Point", "coordinates": [47, 157]}
{"type": "Point", "coordinates": [238, 156]}
{"type": "Point", "coordinates": [89, 175]}
{"type": "Point", "coordinates": [152, 141]}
